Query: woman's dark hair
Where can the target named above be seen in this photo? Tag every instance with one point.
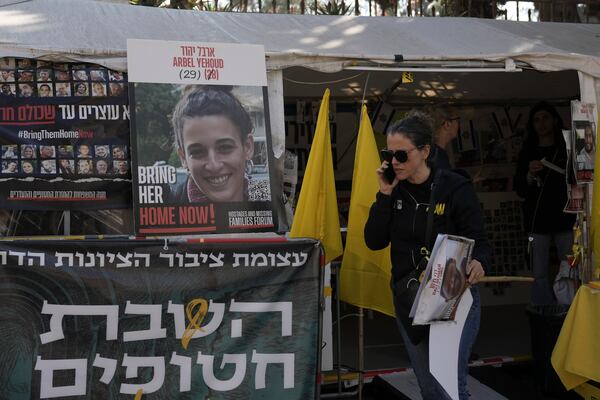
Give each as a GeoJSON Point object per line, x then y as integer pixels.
{"type": "Point", "coordinates": [532, 139]}
{"type": "Point", "coordinates": [200, 101]}
{"type": "Point", "coordinates": [417, 126]}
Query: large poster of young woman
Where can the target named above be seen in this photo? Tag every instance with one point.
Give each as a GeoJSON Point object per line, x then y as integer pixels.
{"type": "Point", "coordinates": [64, 136]}
{"type": "Point", "coordinates": [201, 138]}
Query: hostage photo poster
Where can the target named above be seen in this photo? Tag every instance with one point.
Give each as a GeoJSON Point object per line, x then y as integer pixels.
{"type": "Point", "coordinates": [584, 117]}
{"type": "Point", "coordinates": [64, 136]}
{"type": "Point", "coordinates": [200, 138]}
{"type": "Point", "coordinates": [133, 319]}
{"type": "Point", "coordinates": [444, 280]}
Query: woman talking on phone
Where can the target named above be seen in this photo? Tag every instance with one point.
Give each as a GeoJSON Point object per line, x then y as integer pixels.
{"type": "Point", "coordinates": [414, 204]}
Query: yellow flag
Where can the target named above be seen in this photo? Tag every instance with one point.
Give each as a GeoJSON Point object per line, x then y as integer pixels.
{"type": "Point", "coordinates": [316, 214]}
{"type": "Point", "coordinates": [365, 274]}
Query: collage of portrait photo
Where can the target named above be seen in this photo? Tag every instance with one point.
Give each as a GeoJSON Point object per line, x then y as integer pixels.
{"type": "Point", "coordinates": [24, 77]}
{"type": "Point", "coordinates": [65, 160]}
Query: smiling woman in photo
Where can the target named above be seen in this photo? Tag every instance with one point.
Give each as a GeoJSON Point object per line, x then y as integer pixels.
{"type": "Point", "coordinates": [214, 141]}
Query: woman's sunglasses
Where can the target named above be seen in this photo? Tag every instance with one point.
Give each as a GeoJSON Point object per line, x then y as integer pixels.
{"type": "Point", "coordinates": [400, 155]}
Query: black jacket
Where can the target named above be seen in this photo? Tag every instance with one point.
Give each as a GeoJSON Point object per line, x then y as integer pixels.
{"type": "Point", "coordinates": [544, 201]}
{"type": "Point", "coordinates": [397, 219]}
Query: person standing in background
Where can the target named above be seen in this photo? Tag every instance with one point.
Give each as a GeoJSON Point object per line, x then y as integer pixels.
{"type": "Point", "coordinates": [446, 124]}
{"type": "Point", "coordinates": [544, 191]}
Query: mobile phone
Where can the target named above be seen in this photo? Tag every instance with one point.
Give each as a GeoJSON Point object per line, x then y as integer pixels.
{"type": "Point", "coordinates": [389, 173]}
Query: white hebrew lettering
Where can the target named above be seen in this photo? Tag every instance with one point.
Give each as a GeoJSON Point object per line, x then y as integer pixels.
{"type": "Point", "coordinates": [47, 388]}
{"type": "Point", "coordinates": [262, 360]}
{"type": "Point", "coordinates": [155, 331]}
{"type": "Point", "coordinates": [60, 256]}
{"type": "Point", "coordinates": [300, 259]}
{"type": "Point", "coordinates": [245, 259]}
{"type": "Point", "coordinates": [223, 385]}
{"type": "Point", "coordinates": [132, 365]}
{"type": "Point", "coordinates": [258, 260]}
{"type": "Point", "coordinates": [108, 365]}
{"type": "Point", "coordinates": [217, 260]}
{"type": "Point", "coordinates": [284, 307]}
{"type": "Point", "coordinates": [185, 371]}
{"type": "Point", "coordinates": [40, 256]}
{"type": "Point", "coordinates": [58, 311]}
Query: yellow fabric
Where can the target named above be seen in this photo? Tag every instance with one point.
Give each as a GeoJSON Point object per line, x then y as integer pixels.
{"type": "Point", "coordinates": [576, 355]}
{"type": "Point", "coordinates": [316, 214]}
{"type": "Point", "coordinates": [365, 274]}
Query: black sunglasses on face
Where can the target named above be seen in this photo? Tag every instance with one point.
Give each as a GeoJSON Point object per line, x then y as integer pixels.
{"type": "Point", "coordinates": [400, 155]}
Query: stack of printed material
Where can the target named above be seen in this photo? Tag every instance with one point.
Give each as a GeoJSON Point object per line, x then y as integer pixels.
{"type": "Point", "coordinates": [445, 280]}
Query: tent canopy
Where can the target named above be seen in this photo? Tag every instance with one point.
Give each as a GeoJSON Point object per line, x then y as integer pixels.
{"type": "Point", "coordinates": [93, 31]}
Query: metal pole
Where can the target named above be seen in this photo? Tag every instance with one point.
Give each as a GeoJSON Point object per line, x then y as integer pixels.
{"type": "Point", "coordinates": [67, 223]}
{"type": "Point", "coordinates": [361, 358]}
{"type": "Point", "coordinates": [339, 328]}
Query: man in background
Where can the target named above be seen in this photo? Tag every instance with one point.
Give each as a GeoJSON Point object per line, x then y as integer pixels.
{"type": "Point", "coordinates": [446, 126]}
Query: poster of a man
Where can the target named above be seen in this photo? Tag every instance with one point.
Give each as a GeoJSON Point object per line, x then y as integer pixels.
{"type": "Point", "coordinates": [44, 75]}
{"type": "Point", "coordinates": [25, 90]}
{"type": "Point", "coordinates": [120, 167]}
{"type": "Point", "coordinates": [583, 136]}
{"type": "Point", "coordinates": [80, 75]}
{"type": "Point", "coordinates": [84, 167]}
{"type": "Point", "coordinates": [66, 167]}
{"type": "Point", "coordinates": [63, 89]}
{"type": "Point", "coordinates": [47, 151]}
{"type": "Point", "coordinates": [9, 151]}
{"type": "Point", "coordinates": [9, 167]}
{"type": "Point", "coordinates": [48, 167]}
{"type": "Point", "coordinates": [7, 90]}
{"type": "Point", "coordinates": [102, 167]}
{"type": "Point", "coordinates": [7, 63]}
{"type": "Point", "coordinates": [7, 76]}
{"type": "Point", "coordinates": [101, 151]}
{"type": "Point", "coordinates": [25, 76]}
{"type": "Point", "coordinates": [98, 75]}
{"type": "Point", "coordinates": [45, 90]}
{"type": "Point", "coordinates": [587, 151]}
{"type": "Point", "coordinates": [62, 75]}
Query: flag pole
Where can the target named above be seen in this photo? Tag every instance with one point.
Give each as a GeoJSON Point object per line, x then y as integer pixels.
{"type": "Point", "coordinates": [361, 352]}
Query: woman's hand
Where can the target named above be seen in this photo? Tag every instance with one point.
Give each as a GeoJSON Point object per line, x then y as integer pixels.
{"type": "Point", "coordinates": [475, 272]}
{"type": "Point", "coordinates": [385, 186]}
{"type": "Point", "coordinates": [535, 166]}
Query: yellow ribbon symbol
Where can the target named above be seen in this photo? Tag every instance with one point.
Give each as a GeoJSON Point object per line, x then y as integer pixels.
{"type": "Point", "coordinates": [138, 395]}
{"type": "Point", "coordinates": [194, 318]}
{"type": "Point", "coordinates": [407, 77]}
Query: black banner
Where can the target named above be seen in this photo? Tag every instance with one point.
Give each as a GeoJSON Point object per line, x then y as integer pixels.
{"type": "Point", "coordinates": [64, 135]}
{"type": "Point", "coordinates": [118, 319]}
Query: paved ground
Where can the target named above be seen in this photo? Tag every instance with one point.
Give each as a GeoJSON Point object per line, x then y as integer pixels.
{"type": "Point", "coordinates": [505, 333]}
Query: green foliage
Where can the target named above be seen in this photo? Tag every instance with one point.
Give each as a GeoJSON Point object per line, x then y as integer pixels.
{"type": "Point", "coordinates": [199, 5]}
{"type": "Point", "coordinates": [153, 107]}
{"type": "Point", "coordinates": [177, 4]}
{"type": "Point", "coordinates": [333, 7]}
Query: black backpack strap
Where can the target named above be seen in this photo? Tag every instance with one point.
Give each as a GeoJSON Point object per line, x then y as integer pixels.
{"type": "Point", "coordinates": [436, 180]}
{"type": "Point", "coordinates": [424, 250]}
